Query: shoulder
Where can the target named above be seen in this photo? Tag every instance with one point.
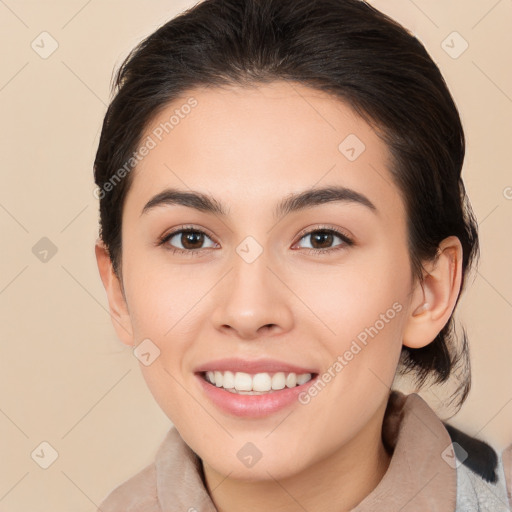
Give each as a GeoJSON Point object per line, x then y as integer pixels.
{"type": "Point", "coordinates": [137, 494]}
{"type": "Point", "coordinates": [482, 475]}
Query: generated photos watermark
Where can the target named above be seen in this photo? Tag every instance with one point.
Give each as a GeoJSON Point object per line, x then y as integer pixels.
{"type": "Point", "coordinates": [343, 360]}
{"type": "Point", "coordinates": [148, 144]}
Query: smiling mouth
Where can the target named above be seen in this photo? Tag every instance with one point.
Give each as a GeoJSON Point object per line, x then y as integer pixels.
{"type": "Point", "coordinates": [255, 384]}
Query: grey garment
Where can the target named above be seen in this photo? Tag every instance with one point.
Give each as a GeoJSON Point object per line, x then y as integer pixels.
{"type": "Point", "coordinates": [474, 494]}
{"type": "Point", "coordinates": [424, 474]}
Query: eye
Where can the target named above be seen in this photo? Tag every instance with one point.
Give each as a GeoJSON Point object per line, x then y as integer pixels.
{"type": "Point", "coordinates": [322, 240]}
{"type": "Point", "coordinates": [186, 240]}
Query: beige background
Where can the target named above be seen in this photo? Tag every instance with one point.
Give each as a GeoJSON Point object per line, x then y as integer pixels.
{"type": "Point", "coordinates": [65, 378]}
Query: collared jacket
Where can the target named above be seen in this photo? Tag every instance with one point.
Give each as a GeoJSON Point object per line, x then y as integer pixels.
{"type": "Point", "coordinates": [434, 468]}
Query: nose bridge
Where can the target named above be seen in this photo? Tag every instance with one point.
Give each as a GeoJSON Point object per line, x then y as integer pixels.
{"type": "Point", "coordinates": [252, 297]}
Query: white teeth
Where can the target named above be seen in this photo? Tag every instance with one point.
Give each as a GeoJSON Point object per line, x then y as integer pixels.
{"type": "Point", "coordinates": [291, 380]}
{"type": "Point", "coordinates": [278, 381]}
{"type": "Point", "coordinates": [303, 378]}
{"type": "Point", "coordinates": [228, 380]}
{"type": "Point", "coordinates": [243, 381]}
{"type": "Point", "coordinates": [261, 382]}
{"type": "Point", "coordinates": [258, 383]}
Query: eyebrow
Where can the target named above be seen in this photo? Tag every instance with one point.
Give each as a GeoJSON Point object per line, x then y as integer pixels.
{"type": "Point", "coordinates": [292, 203]}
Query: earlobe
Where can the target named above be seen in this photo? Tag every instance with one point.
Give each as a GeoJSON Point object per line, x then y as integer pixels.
{"type": "Point", "coordinates": [434, 299]}
{"type": "Point", "coordinates": [116, 300]}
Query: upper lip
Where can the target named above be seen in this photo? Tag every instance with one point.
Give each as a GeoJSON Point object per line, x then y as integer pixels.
{"type": "Point", "coordinates": [252, 366]}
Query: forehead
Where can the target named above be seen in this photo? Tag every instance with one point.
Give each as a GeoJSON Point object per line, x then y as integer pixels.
{"type": "Point", "coordinates": [260, 143]}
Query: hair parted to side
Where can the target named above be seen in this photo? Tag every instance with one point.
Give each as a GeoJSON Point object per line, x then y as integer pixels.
{"type": "Point", "coordinates": [346, 48]}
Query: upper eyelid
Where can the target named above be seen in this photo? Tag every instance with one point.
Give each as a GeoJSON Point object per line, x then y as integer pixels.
{"type": "Point", "coordinates": [337, 231]}
{"type": "Point", "coordinates": [186, 228]}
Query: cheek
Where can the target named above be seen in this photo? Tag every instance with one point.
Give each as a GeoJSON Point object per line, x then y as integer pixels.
{"type": "Point", "coordinates": [352, 297]}
{"type": "Point", "coordinates": [362, 308]}
{"type": "Point", "coordinates": [169, 390]}
{"type": "Point", "coordinates": [166, 308]}
{"type": "Point", "coordinates": [157, 298]}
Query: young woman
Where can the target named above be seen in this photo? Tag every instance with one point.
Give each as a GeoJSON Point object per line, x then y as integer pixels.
{"type": "Point", "coordinates": [284, 229]}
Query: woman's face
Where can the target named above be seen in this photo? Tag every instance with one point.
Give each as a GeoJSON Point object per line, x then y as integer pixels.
{"type": "Point", "coordinates": [321, 283]}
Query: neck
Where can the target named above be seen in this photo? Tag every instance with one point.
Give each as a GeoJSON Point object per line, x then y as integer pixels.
{"type": "Point", "coordinates": [344, 478]}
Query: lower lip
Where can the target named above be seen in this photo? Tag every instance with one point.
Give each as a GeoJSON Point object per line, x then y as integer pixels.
{"type": "Point", "coordinates": [253, 406]}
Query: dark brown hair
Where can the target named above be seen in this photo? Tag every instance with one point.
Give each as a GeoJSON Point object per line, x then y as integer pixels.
{"type": "Point", "coordinates": [346, 48]}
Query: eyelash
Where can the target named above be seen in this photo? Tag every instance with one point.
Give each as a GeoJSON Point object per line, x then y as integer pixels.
{"type": "Point", "coordinates": [347, 241]}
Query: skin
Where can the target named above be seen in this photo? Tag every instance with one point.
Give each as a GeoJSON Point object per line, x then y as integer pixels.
{"type": "Point", "coordinates": [249, 148]}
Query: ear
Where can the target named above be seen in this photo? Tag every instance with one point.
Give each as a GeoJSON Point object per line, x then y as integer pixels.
{"type": "Point", "coordinates": [434, 299]}
{"type": "Point", "coordinates": [116, 300]}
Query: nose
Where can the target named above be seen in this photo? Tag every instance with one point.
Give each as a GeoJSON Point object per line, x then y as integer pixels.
{"type": "Point", "coordinates": [252, 301]}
